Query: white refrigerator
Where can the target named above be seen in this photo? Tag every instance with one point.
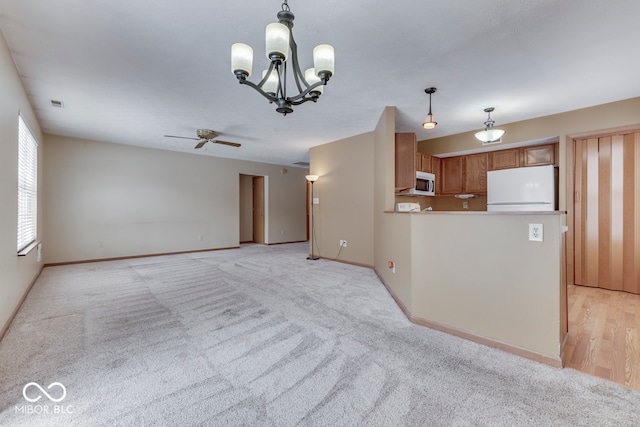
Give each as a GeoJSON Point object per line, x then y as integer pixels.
{"type": "Point", "coordinates": [521, 189]}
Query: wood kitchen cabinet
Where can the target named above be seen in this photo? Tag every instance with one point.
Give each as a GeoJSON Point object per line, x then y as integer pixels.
{"type": "Point", "coordinates": [474, 173]}
{"type": "Point", "coordinates": [405, 161]}
{"type": "Point", "coordinates": [451, 175]}
{"type": "Point", "coordinates": [423, 162]}
{"type": "Point", "coordinates": [463, 174]}
{"type": "Point", "coordinates": [539, 155]}
{"type": "Point", "coordinates": [436, 170]}
{"type": "Point", "coordinates": [504, 159]}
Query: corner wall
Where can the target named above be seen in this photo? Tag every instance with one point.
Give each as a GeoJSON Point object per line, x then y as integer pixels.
{"type": "Point", "coordinates": [346, 194]}
{"type": "Point", "coordinates": [16, 273]}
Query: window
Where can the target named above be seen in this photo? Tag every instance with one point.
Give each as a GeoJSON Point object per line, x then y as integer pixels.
{"type": "Point", "coordinates": [27, 186]}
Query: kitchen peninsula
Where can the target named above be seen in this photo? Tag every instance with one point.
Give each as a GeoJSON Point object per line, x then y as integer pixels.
{"type": "Point", "coordinates": [479, 275]}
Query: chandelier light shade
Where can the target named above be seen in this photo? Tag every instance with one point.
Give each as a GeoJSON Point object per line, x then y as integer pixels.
{"type": "Point", "coordinates": [282, 52]}
{"type": "Point", "coordinates": [429, 121]}
{"type": "Point", "coordinates": [277, 41]}
{"type": "Point", "coordinates": [241, 58]}
{"type": "Point", "coordinates": [489, 135]}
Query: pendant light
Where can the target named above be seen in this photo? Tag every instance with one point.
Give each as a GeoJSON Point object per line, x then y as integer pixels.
{"type": "Point", "coordinates": [489, 135]}
{"type": "Point", "coordinates": [429, 123]}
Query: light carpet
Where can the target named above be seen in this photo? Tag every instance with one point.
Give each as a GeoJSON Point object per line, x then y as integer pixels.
{"type": "Point", "coordinates": [262, 336]}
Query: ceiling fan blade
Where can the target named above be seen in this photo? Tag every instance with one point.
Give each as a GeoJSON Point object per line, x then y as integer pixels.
{"type": "Point", "coordinates": [232, 144]}
{"type": "Point", "coordinates": [201, 143]}
{"type": "Point", "coordinates": [181, 137]}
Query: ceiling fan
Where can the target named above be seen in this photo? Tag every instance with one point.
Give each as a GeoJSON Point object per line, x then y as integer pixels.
{"type": "Point", "coordinates": [204, 136]}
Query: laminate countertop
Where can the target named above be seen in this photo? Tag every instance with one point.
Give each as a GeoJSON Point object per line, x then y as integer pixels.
{"type": "Point", "coordinates": [481, 213]}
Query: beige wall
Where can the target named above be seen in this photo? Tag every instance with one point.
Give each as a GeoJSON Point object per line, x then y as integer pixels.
{"type": "Point", "coordinates": [107, 200]}
{"type": "Point", "coordinates": [345, 193]}
{"type": "Point", "coordinates": [474, 273]}
{"type": "Point", "coordinates": [16, 273]}
{"type": "Point", "coordinates": [391, 232]}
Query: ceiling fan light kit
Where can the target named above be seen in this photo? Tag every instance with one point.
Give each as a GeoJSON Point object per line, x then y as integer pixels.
{"type": "Point", "coordinates": [489, 135]}
{"type": "Point", "coordinates": [281, 50]}
{"type": "Point", "coordinates": [429, 121]}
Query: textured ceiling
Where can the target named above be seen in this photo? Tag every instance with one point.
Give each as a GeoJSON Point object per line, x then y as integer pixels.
{"type": "Point", "coordinates": [132, 71]}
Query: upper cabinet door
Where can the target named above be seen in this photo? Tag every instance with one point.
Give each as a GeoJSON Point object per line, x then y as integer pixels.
{"type": "Point", "coordinates": [426, 163]}
{"type": "Point", "coordinates": [475, 173]}
{"type": "Point", "coordinates": [451, 175]}
{"type": "Point", "coordinates": [539, 155]}
{"type": "Point", "coordinates": [504, 159]}
{"type": "Point", "coordinates": [405, 161]}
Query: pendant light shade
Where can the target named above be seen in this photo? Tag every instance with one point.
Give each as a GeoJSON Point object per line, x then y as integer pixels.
{"type": "Point", "coordinates": [429, 121]}
{"type": "Point", "coordinates": [489, 135]}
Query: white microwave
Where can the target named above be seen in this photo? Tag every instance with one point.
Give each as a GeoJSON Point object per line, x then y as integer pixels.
{"type": "Point", "coordinates": [425, 185]}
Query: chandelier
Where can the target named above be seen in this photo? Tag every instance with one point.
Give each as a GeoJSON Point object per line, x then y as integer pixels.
{"type": "Point", "coordinates": [281, 49]}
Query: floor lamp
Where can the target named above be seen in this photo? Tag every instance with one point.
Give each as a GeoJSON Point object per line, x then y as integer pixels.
{"type": "Point", "coordinates": [312, 179]}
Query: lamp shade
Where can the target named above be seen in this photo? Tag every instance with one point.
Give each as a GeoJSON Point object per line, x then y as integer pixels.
{"type": "Point", "coordinates": [311, 78]}
{"type": "Point", "coordinates": [312, 178]}
{"type": "Point", "coordinates": [271, 85]}
{"type": "Point", "coordinates": [277, 41]}
{"type": "Point", "coordinates": [323, 60]}
{"type": "Point", "coordinates": [489, 135]}
{"type": "Point", "coordinates": [241, 58]}
{"type": "Point", "coordinates": [429, 123]}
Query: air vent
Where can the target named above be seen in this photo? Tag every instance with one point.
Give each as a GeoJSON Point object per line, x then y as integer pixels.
{"type": "Point", "coordinates": [306, 164]}
{"type": "Point", "coordinates": [497, 141]}
{"type": "Point", "coordinates": [56, 103]}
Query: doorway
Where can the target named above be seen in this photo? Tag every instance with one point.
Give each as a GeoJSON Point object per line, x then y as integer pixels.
{"type": "Point", "coordinates": [603, 203]}
{"type": "Point", "coordinates": [258, 209]}
{"type": "Point", "coordinates": [606, 212]}
{"type": "Point", "coordinates": [252, 209]}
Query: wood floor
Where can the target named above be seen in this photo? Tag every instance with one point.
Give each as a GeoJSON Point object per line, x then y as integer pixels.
{"type": "Point", "coordinates": [604, 334]}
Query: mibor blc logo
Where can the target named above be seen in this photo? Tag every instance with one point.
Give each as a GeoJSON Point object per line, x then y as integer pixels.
{"type": "Point", "coordinates": [34, 392]}
{"type": "Point", "coordinates": [43, 391]}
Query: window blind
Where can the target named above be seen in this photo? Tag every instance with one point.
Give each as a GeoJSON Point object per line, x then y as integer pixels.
{"type": "Point", "coordinates": [27, 185]}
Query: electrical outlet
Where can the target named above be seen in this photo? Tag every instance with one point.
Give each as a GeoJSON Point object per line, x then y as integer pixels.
{"type": "Point", "coordinates": [201, 237]}
{"type": "Point", "coordinates": [535, 232]}
{"type": "Point", "coordinates": [343, 243]}
{"type": "Point", "coordinates": [100, 244]}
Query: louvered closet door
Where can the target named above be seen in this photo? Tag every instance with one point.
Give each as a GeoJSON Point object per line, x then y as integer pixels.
{"type": "Point", "coordinates": [607, 212]}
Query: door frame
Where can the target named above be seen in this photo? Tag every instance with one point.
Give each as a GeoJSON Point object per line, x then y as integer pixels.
{"type": "Point", "coordinates": [571, 141]}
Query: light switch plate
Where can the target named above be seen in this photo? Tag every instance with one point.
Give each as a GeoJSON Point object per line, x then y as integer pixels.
{"type": "Point", "coordinates": [535, 232]}
{"type": "Point", "coordinates": [316, 200]}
